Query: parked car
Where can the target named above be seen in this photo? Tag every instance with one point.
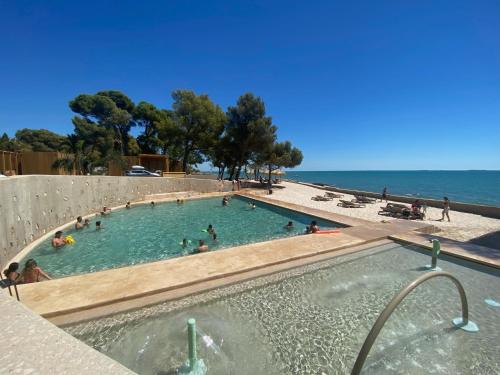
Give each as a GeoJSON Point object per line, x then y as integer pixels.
{"type": "Point", "coordinates": [138, 171]}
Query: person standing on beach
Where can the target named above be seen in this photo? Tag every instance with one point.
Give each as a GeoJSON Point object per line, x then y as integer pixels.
{"type": "Point", "coordinates": [446, 209]}
{"type": "Point", "coordinates": [384, 194]}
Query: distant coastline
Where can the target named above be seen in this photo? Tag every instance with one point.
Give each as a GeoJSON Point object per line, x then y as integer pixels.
{"type": "Point", "coordinates": [468, 186]}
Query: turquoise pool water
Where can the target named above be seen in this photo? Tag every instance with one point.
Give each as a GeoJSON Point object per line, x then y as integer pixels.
{"type": "Point", "coordinates": [144, 234]}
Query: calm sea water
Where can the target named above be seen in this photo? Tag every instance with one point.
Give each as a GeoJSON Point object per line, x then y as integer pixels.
{"type": "Point", "coordinates": [481, 187]}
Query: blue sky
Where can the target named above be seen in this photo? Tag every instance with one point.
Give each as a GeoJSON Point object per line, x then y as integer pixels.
{"type": "Point", "coordinates": [355, 85]}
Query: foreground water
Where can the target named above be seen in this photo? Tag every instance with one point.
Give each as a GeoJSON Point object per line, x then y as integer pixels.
{"type": "Point", "coordinates": [144, 234]}
{"type": "Point", "coordinates": [314, 320]}
{"type": "Point", "coordinates": [480, 187]}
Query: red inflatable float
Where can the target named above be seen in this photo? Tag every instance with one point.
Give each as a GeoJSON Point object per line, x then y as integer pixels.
{"type": "Point", "coordinates": [327, 231]}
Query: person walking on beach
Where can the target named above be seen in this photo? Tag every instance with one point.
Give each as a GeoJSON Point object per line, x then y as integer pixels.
{"type": "Point", "coordinates": [446, 209]}
{"type": "Point", "coordinates": [384, 194]}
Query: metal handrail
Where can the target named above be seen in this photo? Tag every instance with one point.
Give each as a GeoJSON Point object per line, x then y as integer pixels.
{"type": "Point", "coordinates": [370, 339]}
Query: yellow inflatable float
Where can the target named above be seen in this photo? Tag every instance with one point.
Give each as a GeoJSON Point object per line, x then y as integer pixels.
{"type": "Point", "coordinates": [70, 240]}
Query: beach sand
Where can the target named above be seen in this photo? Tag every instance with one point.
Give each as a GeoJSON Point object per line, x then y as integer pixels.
{"type": "Point", "coordinates": [463, 226]}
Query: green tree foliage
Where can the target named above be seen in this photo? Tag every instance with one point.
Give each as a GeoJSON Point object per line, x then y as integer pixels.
{"type": "Point", "coordinates": [109, 109]}
{"type": "Point", "coordinates": [78, 156]}
{"type": "Point", "coordinates": [169, 135]}
{"type": "Point", "coordinates": [282, 154]}
{"type": "Point", "coordinates": [250, 133]}
{"type": "Point", "coordinates": [7, 144]}
{"type": "Point", "coordinates": [200, 123]}
{"type": "Point", "coordinates": [39, 140]}
{"type": "Point", "coordinates": [151, 119]}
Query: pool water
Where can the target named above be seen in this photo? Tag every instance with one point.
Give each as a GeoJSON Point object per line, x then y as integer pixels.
{"type": "Point", "coordinates": [314, 320]}
{"type": "Point", "coordinates": [145, 234]}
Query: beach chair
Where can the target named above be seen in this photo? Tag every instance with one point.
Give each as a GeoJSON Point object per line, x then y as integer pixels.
{"type": "Point", "coordinates": [321, 198]}
{"type": "Point", "coordinates": [395, 210]}
{"type": "Point", "coordinates": [363, 199]}
{"type": "Point", "coordinates": [350, 204]}
{"type": "Point", "coordinates": [329, 194]}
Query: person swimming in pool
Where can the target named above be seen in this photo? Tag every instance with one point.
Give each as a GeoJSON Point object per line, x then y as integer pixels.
{"type": "Point", "coordinates": [314, 226]}
{"type": "Point", "coordinates": [184, 242]}
{"type": "Point", "coordinates": [86, 223]}
{"type": "Point", "coordinates": [79, 223]}
{"type": "Point", "coordinates": [58, 240]}
{"type": "Point", "coordinates": [201, 247]}
{"type": "Point", "coordinates": [225, 201]}
{"type": "Point", "coordinates": [98, 225]}
{"type": "Point", "coordinates": [289, 226]}
{"type": "Point", "coordinates": [152, 204]}
{"type": "Point", "coordinates": [127, 206]}
{"type": "Point", "coordinates": [210, 229]}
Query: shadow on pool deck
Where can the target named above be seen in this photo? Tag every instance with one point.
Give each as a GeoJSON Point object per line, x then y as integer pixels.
{"type": "Point", "coordinates": [491, 240]}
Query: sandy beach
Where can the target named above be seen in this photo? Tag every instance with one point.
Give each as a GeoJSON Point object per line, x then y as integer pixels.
{"type": "Point", "coordinates": [463, 226]}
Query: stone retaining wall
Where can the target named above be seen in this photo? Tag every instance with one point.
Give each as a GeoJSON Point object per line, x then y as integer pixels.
{"type": "Point", "coordinates": [31, 206]}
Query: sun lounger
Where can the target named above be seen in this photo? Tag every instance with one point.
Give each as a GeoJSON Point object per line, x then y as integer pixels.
{"type": "Point", "coordinates": [393, 209]}
{"type": "Point", "coordinates": [350, 204]}
{"type": "Point", "coordinates": [321, 198]}
{"type": "Point", "coordinates": [363, 199]}
{"type": "Point", "coordinates": [400, 211]}
{"type": "Point", "coordinates": [333, 195]}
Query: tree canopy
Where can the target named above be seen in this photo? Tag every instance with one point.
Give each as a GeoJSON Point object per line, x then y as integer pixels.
{"type": "Point", "coordinates": [193, 131]}
{"type": "Point", "coordinates": [249, 133]}
{"type": "Point", "coordinates": [199, 121]}
{"type": "Point", "coordinates": [39, 140]}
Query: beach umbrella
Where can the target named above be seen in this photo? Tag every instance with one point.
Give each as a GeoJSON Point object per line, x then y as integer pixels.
{"type": "Point", "coordinates": [278, 172]}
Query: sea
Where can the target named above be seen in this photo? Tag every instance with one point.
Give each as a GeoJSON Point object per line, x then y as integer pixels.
{"type": "Point", "coordinates": [478, 187]}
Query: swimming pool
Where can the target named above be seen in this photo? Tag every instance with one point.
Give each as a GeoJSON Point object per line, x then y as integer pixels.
{"type": "Point", "coordinates": [313, 320]}
{"type": "Point", "coordinates": [145, 234]}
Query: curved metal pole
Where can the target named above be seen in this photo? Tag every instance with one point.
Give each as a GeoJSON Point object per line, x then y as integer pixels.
{"type": "Point", "coordinates": [370, 339]}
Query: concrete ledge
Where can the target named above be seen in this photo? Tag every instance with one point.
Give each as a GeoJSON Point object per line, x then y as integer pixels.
{"type": "Point", "coordinates": [32, 345]}
{"type": "Point", "coordinates": [77, 293]}
{"type": "Point", "coordinates": [468, 251]}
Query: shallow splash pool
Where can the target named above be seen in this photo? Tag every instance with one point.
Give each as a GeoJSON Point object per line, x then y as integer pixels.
{"type": "Point", "coordinates": [313, 320]}
{"type": "Point", "coordinates": [145, 234]}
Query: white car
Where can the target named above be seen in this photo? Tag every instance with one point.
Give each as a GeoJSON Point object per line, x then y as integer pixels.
{"type": "Point", "coordinates": [138, 171]}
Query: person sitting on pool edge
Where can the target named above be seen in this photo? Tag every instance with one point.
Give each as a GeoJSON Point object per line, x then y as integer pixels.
{"type": "Point", "coordinates": [201, 247]}
{"type": "Point", "coordinates": [58, 240]}
{"type": "Point", "coordinates": [31, 272]}
{"type": "Point", "coordinates": [127, 206]}
{"type": "Point", "coordinates": [105, 211]}
{"type": "Point", "coordinates": [79, 224]}
{"type": "Point", "coordinates": [11, 273]}
{"type": "Point", "coordinates": [289, 226]}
